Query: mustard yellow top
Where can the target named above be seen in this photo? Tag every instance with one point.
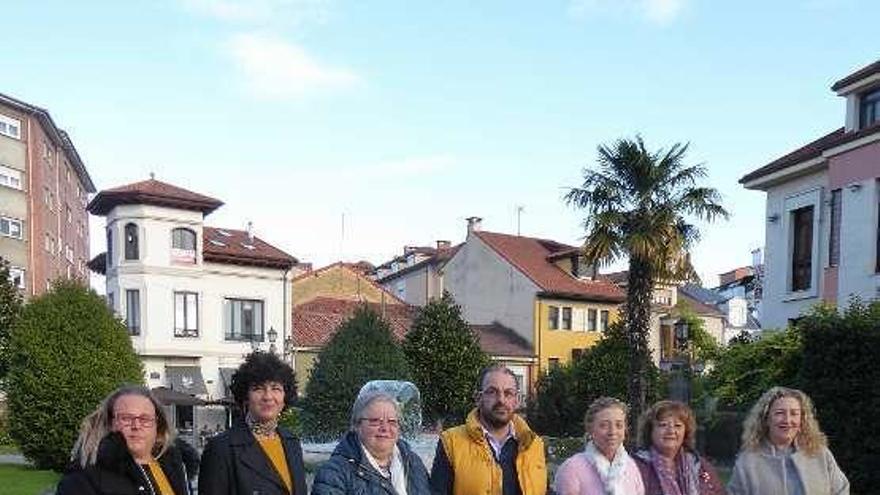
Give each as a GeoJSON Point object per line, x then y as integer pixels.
{"type": "Point", "coordinates": [163, 486]}
{"type": "Point", "coordinates": [275, 452]}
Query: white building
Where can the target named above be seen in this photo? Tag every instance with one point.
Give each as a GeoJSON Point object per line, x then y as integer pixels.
{"type": "Point", "coordinates": [822, 217]}
{"type": "Point", "coordinates": [196, 299]}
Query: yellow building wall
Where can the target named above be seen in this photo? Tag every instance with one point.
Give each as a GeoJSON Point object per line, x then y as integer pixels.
{"type": "Point", "coordinates": [560, 343]}
{"type": "Point", "coordinates": [337, 282]}
{"type": "Point", "coordinates": [304, 361]}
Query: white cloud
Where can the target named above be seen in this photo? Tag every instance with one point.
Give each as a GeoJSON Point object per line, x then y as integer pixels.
{"type": "Point", "coordinates": [660, 12]}
{"type": "Point", "coordinates": [274, 68]}
{"type": "Point", "coordinates": [261, 11]}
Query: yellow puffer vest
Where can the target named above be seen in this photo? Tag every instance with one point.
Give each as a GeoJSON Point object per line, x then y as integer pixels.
{"type": "Point", "coordinates": [477, 473]}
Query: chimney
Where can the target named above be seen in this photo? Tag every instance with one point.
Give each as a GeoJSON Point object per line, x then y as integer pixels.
{"type": "Point", "coordinates": [250, 231]}
{"type": "Point", "coordinates": [441, 245]}
{"type": "Point", "coordinates": [408, 249]}
{"type": "Point", "coordinates": [474, 224]}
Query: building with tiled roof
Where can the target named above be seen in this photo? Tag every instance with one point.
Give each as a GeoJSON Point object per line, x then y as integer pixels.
{"type": "Point", "coordinates": [195, 298]}
{"type": "Point", "coordinates": [44, 188]}
{"type": "Point", "coordinates": [539, 289]}
{"type": "Point", "coordinates": [822, 235]}
{"type": "Point", "coordinates": [416, 276]}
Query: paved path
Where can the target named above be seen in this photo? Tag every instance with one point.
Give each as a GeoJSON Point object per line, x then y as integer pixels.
{"type": "Point", "coordinates": [17, 459]}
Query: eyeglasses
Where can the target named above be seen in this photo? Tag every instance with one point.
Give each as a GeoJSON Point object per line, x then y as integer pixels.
{"type": "Point", "coordinates": [493, 392]}
{"type": "Point", "coordinates": [129, 420]}
{"type": "Point", "coordinates": [376, 422]}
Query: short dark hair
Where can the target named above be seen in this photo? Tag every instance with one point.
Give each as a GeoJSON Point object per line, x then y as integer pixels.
{"type": "Point", "coordinates": [492, 368]}
{"type": "Point", "coordinates": [261, 367]}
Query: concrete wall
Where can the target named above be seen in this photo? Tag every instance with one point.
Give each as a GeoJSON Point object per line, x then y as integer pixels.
{"type": "Point", "coordinates": [489, 289]}
{"type": "Point", "coordinates": [417, 287]}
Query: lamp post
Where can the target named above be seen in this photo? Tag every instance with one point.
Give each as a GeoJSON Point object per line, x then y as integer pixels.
{"type": "Point", "coordinates": [273, 336]}
{"type": "Point", "coordinates": [681, 381]}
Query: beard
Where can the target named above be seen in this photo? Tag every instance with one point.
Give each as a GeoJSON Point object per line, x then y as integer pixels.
{"type": "Point", "coordinates": [496, 417]}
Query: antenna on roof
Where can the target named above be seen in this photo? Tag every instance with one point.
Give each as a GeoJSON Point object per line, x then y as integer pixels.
{"type": "Point", "coordinates": [519, 210]}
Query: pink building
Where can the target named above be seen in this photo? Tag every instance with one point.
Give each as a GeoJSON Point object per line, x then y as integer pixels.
{"type": "Point", "coordinates": [823, 210]}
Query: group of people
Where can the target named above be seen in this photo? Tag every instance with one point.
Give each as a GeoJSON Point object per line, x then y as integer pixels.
{"type": "Point", "coordinates": [127, 447]}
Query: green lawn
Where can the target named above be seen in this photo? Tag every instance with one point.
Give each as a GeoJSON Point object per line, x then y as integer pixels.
{"type": "Point", "coordinates": [24, 480]}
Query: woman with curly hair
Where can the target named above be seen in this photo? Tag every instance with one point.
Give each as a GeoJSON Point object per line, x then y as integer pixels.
{"type": "Point", "coordinates": [256, 455]}
{"type": "Point", "coordinates": [667, 459]}
{"type": "Point", "coordinates": [783, 450]}
{"type": "Point", "coordinates": [127, 446]}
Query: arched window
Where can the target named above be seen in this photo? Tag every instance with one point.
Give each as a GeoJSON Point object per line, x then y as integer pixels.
{"type": "Point", "coordinates": [183, 245]}
{"type": "Point", "coordinates": [131, 242]}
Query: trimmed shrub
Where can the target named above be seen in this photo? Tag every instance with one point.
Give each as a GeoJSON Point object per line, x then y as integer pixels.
{"type": "Point", "coordinates": [445, 358]}
{"type": "Point", "coordinates": [841, 375]}
{"type": "Point", "coordinates": [67, 351]}
{"type": "Point", "coordinates": [10, 309]}
{"type": "Point", "coordinates": [363, 349]}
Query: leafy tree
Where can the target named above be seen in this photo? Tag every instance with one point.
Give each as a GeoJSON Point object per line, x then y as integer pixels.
{"type": "Point", "coordinates": [444, 355]}
{"type": "Point", "coordinates": [564, 394]}
{"type": "Point", "coordinates": [66, 352]}
{"type": "Point", "coordinates": [363, 349]}
{"type": "Point", "coordinates": [10, 308]}
{"type": "Point", "coordinates": [637, 205]}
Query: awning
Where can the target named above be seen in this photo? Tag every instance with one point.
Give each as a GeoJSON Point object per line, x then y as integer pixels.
{"type": "Point", "coordinates": [170, 397]}
{"type": "Point", "coordinates": [186, 379]}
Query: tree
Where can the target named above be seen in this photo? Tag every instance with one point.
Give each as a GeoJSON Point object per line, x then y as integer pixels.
{"type": "Point", "coordinates": [363, 349]}
{"type": "Point", "coordinates": [638, 204]}
{"type": "Point", "coordinates": [10, 308]}
{"type": "Point", "coordinates": [444, 355]}
{"type": "Point", "coordinates": [67, 352]}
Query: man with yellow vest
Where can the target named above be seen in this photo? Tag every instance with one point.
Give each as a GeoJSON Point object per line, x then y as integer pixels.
{"type": "Point", "coordinates": [494, 452]}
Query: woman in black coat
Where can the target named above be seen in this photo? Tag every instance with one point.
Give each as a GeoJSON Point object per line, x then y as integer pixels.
{"type": "Point", "coordinates": [372, 459]}
{"type": "Point", "coordinates": [256, 455]}
{"type": "Point", "coordinates": [127, 447]}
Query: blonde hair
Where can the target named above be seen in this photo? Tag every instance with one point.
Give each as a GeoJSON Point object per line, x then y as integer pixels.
{"type": "Point", "coordinates": [98, 424]}
{"type": "Point", "coordinates": [809, 439]}
{"type": "Point", "coordinates": [660, 410]}
{"type": "Point", "coordinates": [600, 405]}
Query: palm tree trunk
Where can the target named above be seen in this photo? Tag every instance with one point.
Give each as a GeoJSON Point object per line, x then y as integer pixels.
{"type": "Point", "coordinates": [640, 285]}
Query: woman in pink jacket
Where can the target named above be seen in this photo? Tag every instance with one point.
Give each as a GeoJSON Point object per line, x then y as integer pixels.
{"type": "Point", "coordinates": [604, 467]}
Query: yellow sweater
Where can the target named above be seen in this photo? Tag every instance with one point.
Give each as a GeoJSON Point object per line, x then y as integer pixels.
{"type": "Point", "coordinates": [275, 452]}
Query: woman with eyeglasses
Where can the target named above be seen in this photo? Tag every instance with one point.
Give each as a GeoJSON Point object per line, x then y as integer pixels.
{"type": "Point", "coordinates": [372, 459]}
{"type": "Point", "coordinates": [126, 446]}
{"type": "Point", "coordinates": [256, 455]}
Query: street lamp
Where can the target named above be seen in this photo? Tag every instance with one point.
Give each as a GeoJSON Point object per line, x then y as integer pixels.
{"type": "Point", "coordinates": [681, 382]}
{"type": "Point", "coordinates": [273, 336]}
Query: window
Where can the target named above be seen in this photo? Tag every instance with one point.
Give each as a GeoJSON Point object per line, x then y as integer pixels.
{"type": "Point", "coordinates": [133, 311]}
{"type": "Point", "coordinates": [50, 244]}
{"type": "Point", "coordinates": [566, 318]}
{"type": "Point", "coordinates": [834, 233]}
{"type": "Point", "coordinates": [869, 111]}
{"type": "Point", "coordinates": [802, 249]}
{"type": "Point", "coordinates": [68, 253]}
{"type": "Point", "coordinates": [553, 362]}
{"type": "Point", "coordinates": [10, 177]}
{"type": "Point", "coordinates": [16, 276]}
{"type": "Point", "coordinates": [576, 354]}
{"type": "Point", "coordinates": [10, 227]}
{"type": "Point", "coordinates": [109, 247]}
{"type": "Point", "coordinates": [131, 241]}
{"type": "Point", "coordinates": [183, 416]}
{"type": "Point", "coordinates": [69, 214]}
{"type": "Point", "coordinates": [553, 317]}
{"type": "Point", "coordinates": [244, 319]}
{"type": "Point", "coordinates": [400, 289]}
{"type": "Point", "coordinates": [186, 314]}
{"type": "Point", "coordinates": [591, 320]}
{"type": "Point", "coordinates": [603, 320]}
{"type": "Point", "coordinates": [183, 246]}
{"type": "Point", "coordinates": [10, 127]}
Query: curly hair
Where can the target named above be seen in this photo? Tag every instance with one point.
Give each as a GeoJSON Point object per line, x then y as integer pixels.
{"type": "Point", "coordinates": [662, 409]}
{"type": "Point", "coordinates": [756, 430]}
{"type": "Point", "coordinates": [258, 368]}
{"type": "Point", "coordinates": [600, 405]}
{"type": "Point", "coordinates": [99, 423]}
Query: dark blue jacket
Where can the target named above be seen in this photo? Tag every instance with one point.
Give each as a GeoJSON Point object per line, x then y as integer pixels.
{"type": "Point", "coordinates": [349, 473]}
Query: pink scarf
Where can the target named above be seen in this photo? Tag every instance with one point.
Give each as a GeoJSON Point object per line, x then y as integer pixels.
{"type": "Point", "coordinates": [681, 477]}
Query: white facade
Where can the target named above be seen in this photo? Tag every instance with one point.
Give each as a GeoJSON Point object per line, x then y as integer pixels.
{"type": "Point", "coordinates": [194, 327]}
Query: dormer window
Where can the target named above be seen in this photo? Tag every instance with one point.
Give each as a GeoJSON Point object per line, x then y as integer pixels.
{"type": "Point", "coordinates": [183, 246]}
{"type": "Point", "coordinates": [869, 108]}
{"type": "Point", "coordinates": [131, 242]}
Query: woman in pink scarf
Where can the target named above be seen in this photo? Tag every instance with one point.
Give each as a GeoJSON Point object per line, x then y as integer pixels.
{"type": "Point", "coordinates": [667, 460]}
{"type": "Point", "coordinates": [604, 467]}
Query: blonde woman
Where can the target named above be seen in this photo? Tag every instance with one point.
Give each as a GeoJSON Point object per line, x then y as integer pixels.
{"type": "Point", "coordinates": [127, 446]}
{"type": "Point", "coordinates": [784, 452]}
{"type": "Point", "coordinates": [604, 467]}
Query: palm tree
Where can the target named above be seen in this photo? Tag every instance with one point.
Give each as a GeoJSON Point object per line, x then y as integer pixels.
{"type": "Point", "coordinates": [637, 205]}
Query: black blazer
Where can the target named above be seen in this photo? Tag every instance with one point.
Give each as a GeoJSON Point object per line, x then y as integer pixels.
{"type": "Point", "coordinates": [233, 463]}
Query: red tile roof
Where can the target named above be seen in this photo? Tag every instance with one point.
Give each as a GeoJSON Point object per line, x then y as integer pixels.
{"type": "Point", "coordinates": [238, 249]}
{"type": "Point", "coordinates": [316, 322]}
{"type": "Point", "coordinates": [152, 192]}
{"type": "Point", "coordinates": [810, 150]}
{"type": "Point", "coordinates": [499, 340]}
{"type": "Point", "coordinates": [862, 73]}
{"type": "Point", "coordinates": [531, 257]}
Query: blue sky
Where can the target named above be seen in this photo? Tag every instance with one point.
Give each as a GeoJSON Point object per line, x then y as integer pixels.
{"type": "Point", "coordinates": [407, 117]}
